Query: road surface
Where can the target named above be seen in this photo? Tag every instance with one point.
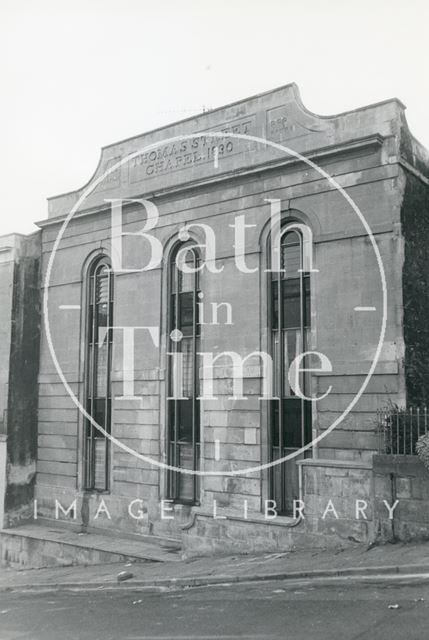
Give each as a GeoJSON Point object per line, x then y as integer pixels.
{"type": "Point", "coordinates": [257, 611]}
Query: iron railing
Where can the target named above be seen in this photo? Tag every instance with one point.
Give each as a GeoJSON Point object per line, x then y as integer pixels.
{"type": "Point", "coordinates": [400, 428]}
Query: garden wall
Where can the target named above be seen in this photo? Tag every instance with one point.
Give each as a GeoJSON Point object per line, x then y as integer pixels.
{"type": "Point", "coordinates": [405, 479]}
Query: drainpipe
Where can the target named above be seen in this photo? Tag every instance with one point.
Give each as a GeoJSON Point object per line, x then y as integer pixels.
{"type": "Point", "coordinates": [298, 521]}
{"type": "Point", "coordinates": [84, 511]}
{"type": "Point", "coordinates": [394, 498]}
{"type": "Point", "coordinates": [3, 479]}
{"type": "Point", "coordinates": [188, 525]}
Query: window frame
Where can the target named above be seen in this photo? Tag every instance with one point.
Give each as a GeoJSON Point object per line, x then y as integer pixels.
{"type": "Point", "coordinates": [91, 371]}
{"type": "Point", "coordinates": [276, 341]}
{"type": "Point", "coordinates": [173, 444]}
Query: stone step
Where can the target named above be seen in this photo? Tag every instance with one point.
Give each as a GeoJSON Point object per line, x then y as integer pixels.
{"type": "Point", "coordinates": [38, 545]}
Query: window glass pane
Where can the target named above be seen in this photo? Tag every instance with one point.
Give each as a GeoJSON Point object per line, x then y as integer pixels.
{"type": "Point", "coordinates": [91, 289]}
{"type": "Point", "coordinates": [173, 312]}
{"type": "Point", "coordinates": [291, 258]}
{"type": "Point", "coordinates": [99, 413]}
{"type": "Point", "coordinates": [291, 237]}
{"type": "Point", "coordinates": [274, 423]}
{"type": "Point", "coordinates": [171, 416]}
{"type": "Point", "coordinates": [197, 420]}
{"type": "Point", "coordinates": [185, 409]}
{"type": "Point", "coordinates": [188, 367]}
{"type": "Point", "coordinates": [102, 364]}
{"type": "Point", "coordinates": [186, 256]}
{"type": "Point", "coordinates": [186, 320]}
{"type": "Point", "coordinates": [274, 305]}
{"type": "Point", "coordinates": [308, 435]}
{"type": "Point", "coordinates": [102, 337]}
{"type": "Point", "coordinates": [291, 303]}
{"type": "Point", "coordinates": [102, 314]}
{"type": "Point", "coordinates": [186, 481]}
{"type": "Point", "coordinates": [307, 305]}
{"type": "Point", "coordinates": [100, 451]}
{"type": "Point", "coordinates": [89, 426]}
{"type": "Point", "coordinates": [102, 297]}
{"type": "Point", "coordinates": [307, 364]}
{"type": "Point", "coordinates": [292, 417]}
{"type": "Point", "coordinates": [186, 282]}
{"type": "Point", "coordinates": [90, 323]}
{"type": "Point", "coordinates": [276, 364]}
{"type": "Point", "coordinates": [291, 348]}
{"type": "Point", "coordinates": [102, 285]}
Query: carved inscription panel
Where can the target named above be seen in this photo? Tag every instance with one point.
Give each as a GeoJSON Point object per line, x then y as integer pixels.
{"type": "Point", "coordinates": [192, 151]}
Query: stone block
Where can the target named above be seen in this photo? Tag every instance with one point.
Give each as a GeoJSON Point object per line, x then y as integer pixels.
{"type": "Point", "coordinates": [251, 436]}
{"type": "Point", "coordinates": [357, 489]}
{"type": "Point", "coordinates": [237, 502]}
{"type": "Point", "coordinates": [403, 488]}
{"type": "Point", "coordinates": [243, 486]}
{"type": "Point", "coordinates": [222, 499]}
{"type": "Point", "coordinates": [235, 435]}
{"type": "Point", "coordinates": [139, 476]}
{"type": "Point", "coordinates": [57, 441]}
{"type": "Point", "coordinates": [216, 418]}
{"type": "Point", "coordinates": [57, 428]}
{"type": "Point", "coordinates": [339, 472]}
{"type": "Point", "coordinates": [56, 467]}
{"type": "Point", "coordinates": [411, 511]}
{"type": "Point", "coordinates": [382, 486]}
{"type": "Point", "coordinates": [138, 417]}
{"type": "Point", "coordinates": [234, 452]}
{"type": "Point", "coordinates": [330, 486]}
{"type": "Point", "coordinates": [135, 431]}
{"type": "Point", "coordinates": [420, 489]}
{"type": "Point", "coordinates": [345, 529]}
{"type": "Point", "coordinates": [146, 387]}
{"type": "Point", "coordinates": [58, 481]}
{"type": "Point", "coordinates": [311, 481]}
{"type": "Point", "coordinates": [211, 434]}
{"type": "Point", "coordinates": [245, 419]}
{"type": "Point", "coordinates": [57, 455]}
{"type": "Point", "coordinates": [144, 402]}
{"type": "Point", "coordinates": [215, 484]}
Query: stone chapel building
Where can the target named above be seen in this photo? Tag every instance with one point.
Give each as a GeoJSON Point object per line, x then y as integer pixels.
{"type": "Point", "coordinates": [192, 247]}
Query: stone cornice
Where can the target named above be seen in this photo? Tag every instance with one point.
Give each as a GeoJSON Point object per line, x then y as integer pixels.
{"type": "Point", "coordinates": [353, 147]}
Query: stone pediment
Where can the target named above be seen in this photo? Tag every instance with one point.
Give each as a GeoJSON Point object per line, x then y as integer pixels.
{"type": "Point", "coordinates": [213, 146]}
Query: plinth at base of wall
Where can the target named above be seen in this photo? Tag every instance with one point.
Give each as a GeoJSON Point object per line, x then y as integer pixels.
{"type": "Point", "coordinates": [34, 546]}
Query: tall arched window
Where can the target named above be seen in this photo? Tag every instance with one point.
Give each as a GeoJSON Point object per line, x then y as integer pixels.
{"type": "Point", "coordinates": [98, 370]}
{"type": "Point", "coordinates": [290, 419]}
{"type": "Point", "coordinates": [183, 379]}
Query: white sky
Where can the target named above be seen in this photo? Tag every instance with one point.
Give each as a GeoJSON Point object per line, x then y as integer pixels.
{"type": "Point", "coordinates": [81, 74]}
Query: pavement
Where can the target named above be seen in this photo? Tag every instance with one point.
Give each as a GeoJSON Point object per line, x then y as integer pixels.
{"type": "Point", "coordinates": [377, 563]}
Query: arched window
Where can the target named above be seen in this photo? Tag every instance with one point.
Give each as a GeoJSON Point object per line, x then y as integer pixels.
{"type": "Point", "coordinates": [98, 370]}
{"type": "Point", "coordinates": [183, 431]}
{"type": "Point", "coordinates": [290, 419]}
